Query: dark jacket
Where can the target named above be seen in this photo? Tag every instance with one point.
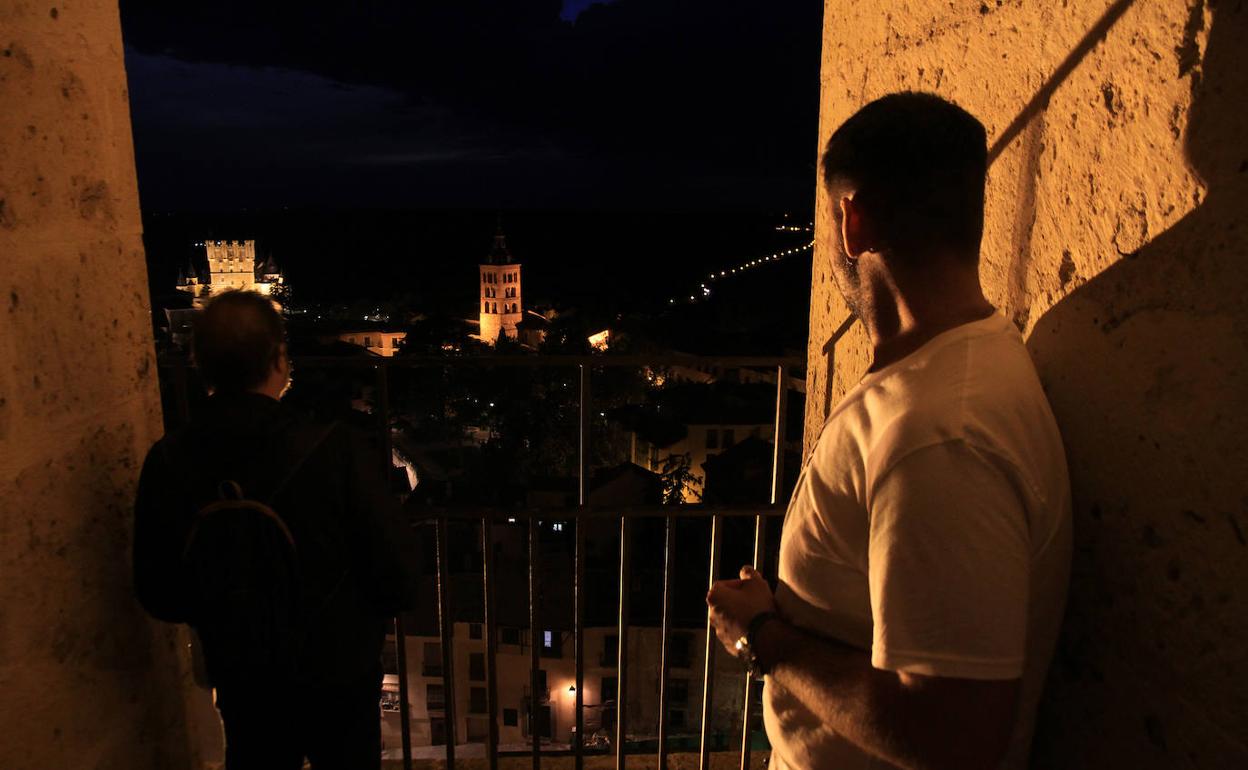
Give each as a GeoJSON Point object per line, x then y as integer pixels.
{"type": "Point", "coordinates": [355, 550]}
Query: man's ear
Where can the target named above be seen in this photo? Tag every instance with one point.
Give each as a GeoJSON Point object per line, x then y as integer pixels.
{"type": "Point", "coordinates": [281, 364]}
{"type": "Point", "coordinates": [854, 228]}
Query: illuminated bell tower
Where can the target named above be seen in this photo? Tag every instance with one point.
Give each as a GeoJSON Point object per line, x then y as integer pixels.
{"type": "Point", "coordinates": [501, 306]}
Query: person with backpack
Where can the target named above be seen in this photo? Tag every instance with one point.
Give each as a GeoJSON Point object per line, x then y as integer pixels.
{"type": "Point", "coordinates": [277, 540]}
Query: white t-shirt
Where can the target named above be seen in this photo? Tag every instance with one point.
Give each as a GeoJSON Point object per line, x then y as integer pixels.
{"type": "Point", "coordinates": [931, 526]}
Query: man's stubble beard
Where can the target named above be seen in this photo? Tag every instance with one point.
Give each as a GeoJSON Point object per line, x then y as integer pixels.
{"type": "Point", "coordinates": [845, 276]}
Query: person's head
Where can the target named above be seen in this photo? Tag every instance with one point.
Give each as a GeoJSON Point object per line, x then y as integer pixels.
{"type": "Point", "coordinates": [238, 343]}
{"type": "Point", "coordinates": [906, 177]}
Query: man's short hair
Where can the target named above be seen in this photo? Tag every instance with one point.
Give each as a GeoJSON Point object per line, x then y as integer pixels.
{"type": "Point", "coordinates": [917, 164]}
{"type": "Point", "coordinates": [236, 340]}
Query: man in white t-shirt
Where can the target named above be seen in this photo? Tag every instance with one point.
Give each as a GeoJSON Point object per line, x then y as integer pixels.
{"type": "Point", "coordinates": [926, 549]}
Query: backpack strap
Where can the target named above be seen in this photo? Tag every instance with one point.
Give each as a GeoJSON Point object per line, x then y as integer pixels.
{"type": "Point", "coordinates": [230, 494]}
{"type": "Point", "coordinates": [318, 438]}
{"type": "Point", "coordinates": [234, 504]}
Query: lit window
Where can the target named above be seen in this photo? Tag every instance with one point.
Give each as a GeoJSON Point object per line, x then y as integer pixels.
{"type": "Point", "coordinates": [548, 640]}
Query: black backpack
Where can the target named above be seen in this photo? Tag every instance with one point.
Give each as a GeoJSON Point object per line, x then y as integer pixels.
{"type": "Point", "coordinates": [243, 565]}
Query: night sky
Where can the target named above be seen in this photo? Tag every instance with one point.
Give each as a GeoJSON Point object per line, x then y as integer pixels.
{"type": "Point", "coordinates": [483, 104]}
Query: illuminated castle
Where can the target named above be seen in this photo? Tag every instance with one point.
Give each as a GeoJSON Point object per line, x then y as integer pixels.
{"type": "Point", "coordinates": [501, 306]}
{"type": "Point", "coordinates": [231, 265]}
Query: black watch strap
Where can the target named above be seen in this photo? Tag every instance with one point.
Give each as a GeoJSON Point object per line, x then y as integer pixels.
{"type": "Point", "coordinates": [757, 623]}
{"type": "Point", "coordinates": [751, 633]}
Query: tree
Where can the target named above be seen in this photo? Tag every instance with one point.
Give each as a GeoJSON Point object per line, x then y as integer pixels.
{"type": "Point", "coordinates": [679, 480]}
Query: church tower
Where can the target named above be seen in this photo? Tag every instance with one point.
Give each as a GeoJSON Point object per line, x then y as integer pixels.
{"type": "Point", "coordinates": [501, 305]}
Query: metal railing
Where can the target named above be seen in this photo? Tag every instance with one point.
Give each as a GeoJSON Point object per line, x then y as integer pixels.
{"type": "Point", "coordinates": [583, 511]}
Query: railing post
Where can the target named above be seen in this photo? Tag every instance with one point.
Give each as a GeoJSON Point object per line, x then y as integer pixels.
{"type": "Point", "coordinates": [760, 536]}
{"type": "Point", "coordinates": [708, 669]}
{"type": "Point", "coordinates": [535, 634]}
{"type": "Point", "coordinates": [578, 621]}
{"type": "Point", "coordinates": [491, 643]}
{"type": "Point", "coordinates": [621, 668]}
{"type": "Point", "coordinates": [446, 622]}
{"type": "Point", "coordinates": [669, 547]}
{"type": "Point", "coordinates": [781, 433]}
{"type": "Point", "coordinates": [405, 708]}
{"type": "Point", "coordinates": [381, 408]}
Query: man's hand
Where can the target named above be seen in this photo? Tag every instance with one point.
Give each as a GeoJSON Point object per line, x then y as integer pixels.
{"type": "Point", "coordinates": [734, 603]}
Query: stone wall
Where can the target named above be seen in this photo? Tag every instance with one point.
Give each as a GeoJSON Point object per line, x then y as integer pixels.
{"type": "Point", "coordinates": [86, 680]}
{"type": "Point", "coordinates": [1116, 239]}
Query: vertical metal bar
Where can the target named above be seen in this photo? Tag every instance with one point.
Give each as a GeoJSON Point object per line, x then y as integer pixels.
{"type": "Point", "coordinates": [405, 708]}
{"type": "Point", "coordinates": [708, 670]}
{"type": "Point", "coordinates": [381, 407]}
{"type": "Point", "coordinates": [578, 632]}
{"type": "Point", "coordinates": [621, 668]}
{"type": "Point", "coordinates": [669, 547]}
{"type": "Point", "coordinates": [491, 644]}
{"type": "Point", "coordinates": [446, 622]}
{"type": "Point", "coordinates": [747, 708]}
{"type": "Point", "coordinates": [782, 410]}
{"type": "Point", "coordinates": [582, 471]}
{"type": "Point", "coordinates": [535, 638]}
{"type": "Point", "coordinates": [578, 647]}
{"type": "Point", "coordinates": [760, 538]}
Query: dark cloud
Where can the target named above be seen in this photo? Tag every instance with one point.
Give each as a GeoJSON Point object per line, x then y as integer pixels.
{"type": "Point", "coordinates": [638, 103]}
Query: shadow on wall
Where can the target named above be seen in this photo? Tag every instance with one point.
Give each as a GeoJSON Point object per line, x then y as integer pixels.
{"type": "Point", "coordinates": [1146, 366]}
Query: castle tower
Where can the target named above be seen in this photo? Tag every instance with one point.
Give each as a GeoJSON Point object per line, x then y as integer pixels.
{"type": "Point", "coordinates": [232, 264]}
{"type": "Point", "coordinates": [501, 306]}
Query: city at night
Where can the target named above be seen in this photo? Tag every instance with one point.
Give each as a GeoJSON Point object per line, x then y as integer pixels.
{"type": "Point", "coordinates": [623, 383]}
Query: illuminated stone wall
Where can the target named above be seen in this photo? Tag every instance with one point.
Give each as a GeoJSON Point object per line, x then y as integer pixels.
{"type": "Point", "coordinates": [231, 264]}
{"type": "Point", "coordinates": [86, 681]}
{"type": "Point", "coordinates": [1116, 239]}
{"type": "Point", "coordinates": [500, 289]}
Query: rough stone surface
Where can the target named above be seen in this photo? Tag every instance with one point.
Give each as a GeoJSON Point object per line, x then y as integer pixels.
{"type": "Point", "coordinates": [87, 680]}
{"type": "Point", "coordinates": [1116, 239]}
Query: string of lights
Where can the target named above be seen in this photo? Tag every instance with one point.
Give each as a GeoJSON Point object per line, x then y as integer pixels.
{"type": "Point", "coordinates": [704, 290]}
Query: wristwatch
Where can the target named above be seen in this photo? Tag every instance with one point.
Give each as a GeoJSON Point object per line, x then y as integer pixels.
{"type": "Point", "coordinates": [745, 645]}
